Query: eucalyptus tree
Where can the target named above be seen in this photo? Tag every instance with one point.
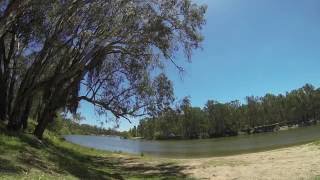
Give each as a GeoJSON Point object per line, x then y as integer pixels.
{"type": "Point", "coordinates": [18, 30]}
{"type": "Point", "coordinates": [104, 52]}
{"type": "Point", "coordinates": [253, 110]}
{"type": "Point", "coordinates": [271, 109]}
{"type": "Point", "coordinates": [233, 124]}
{"type": "Point", "coordinates": [309, 97]}
{"type": "Point", "coordinates": [219, 116]}
{"type": "Point", "coordinates": [316, 104]}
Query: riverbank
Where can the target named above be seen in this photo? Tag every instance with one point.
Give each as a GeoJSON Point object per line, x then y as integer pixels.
{"type": "Point", "coordinates": [271, 128]}
{"type": "Point", "coordinates": [24, 157]}
{"type": "Point", "coordinates": [297, 162]}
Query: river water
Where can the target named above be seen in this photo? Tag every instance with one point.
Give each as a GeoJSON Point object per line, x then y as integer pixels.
{"type": "Point", "coordinates": [203, 147]}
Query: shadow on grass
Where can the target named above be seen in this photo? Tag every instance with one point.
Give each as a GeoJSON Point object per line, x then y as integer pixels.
{"type": "Point", "coordinates": [7, 167]}
{"type": "Point", "coordinates": [97, 167]}
{"type": "Point", "coordinates": [54, 159]}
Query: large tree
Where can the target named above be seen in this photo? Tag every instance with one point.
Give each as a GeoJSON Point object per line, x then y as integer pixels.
{"type": "Point", "coordinates": [54, 54]}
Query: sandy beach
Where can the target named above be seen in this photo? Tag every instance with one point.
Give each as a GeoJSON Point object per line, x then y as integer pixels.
{"type": "Point", "coordinates": [297, 162]}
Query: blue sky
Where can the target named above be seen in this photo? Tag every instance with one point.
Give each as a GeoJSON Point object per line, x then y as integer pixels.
{"type": "Point", "coordinates": [251, 47]}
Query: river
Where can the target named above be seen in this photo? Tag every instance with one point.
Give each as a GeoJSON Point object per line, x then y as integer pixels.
{"type": "Point", "coordinates": [201, 147]}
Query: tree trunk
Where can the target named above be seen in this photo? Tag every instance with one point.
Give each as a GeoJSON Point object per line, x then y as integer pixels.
{"type": "Point", "coordinates": [3, 89]}
{"type": "Point", "coordinates": [15, 117]}
{"type": "Point", "coordinates": [41, 126]}
{"type": "Point", "coordinates": [3, 102]}
{"type": "Point", "coordinates": [55, 99]}
{"type": "Point", "coordinates": [19, 114]}
{"type": "Point", "coordinates": [46, 117]}
{"type": "Point", "coordinates": [25, 115]}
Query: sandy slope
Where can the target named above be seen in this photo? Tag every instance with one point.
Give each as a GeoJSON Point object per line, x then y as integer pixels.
{"type": "Point", "coordinates": [299, 162]}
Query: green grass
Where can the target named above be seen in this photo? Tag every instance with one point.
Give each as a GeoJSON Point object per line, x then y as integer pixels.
{"type": "Point", "coordinates": [22, 156]}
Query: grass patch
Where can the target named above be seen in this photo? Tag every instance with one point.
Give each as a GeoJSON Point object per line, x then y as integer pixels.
{"type": "Point", "coordinates": [22, 156]}
{"type": "Point", "coordinates": [317, 143]}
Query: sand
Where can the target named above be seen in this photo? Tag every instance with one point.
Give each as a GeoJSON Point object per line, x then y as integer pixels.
{"type": "Point", "coordinates": [297, 162]}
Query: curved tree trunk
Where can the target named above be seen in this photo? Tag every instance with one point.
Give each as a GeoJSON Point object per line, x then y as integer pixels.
{"type": "Point", "coordinates": [3, 102]}
{"type": "Point", "coordinates": [3, 82]}
{"type": "Point", "coordinates": [16, 116]}
{"type": "Point", "coordinates": [43, 121]}
{"type": "Point", "coordinates": [26, 113]}
{"type": "Point", "coordinates": [55, 99]}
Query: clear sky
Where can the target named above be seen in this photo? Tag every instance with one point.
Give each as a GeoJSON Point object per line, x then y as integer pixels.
{"type": "Point", "coordinates": [251, 47]}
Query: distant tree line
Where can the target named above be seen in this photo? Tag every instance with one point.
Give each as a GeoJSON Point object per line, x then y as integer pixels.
{"type": "Point", "coordinates": [298, 107]}
{"type": "Point", "coordinates": [64, 126]}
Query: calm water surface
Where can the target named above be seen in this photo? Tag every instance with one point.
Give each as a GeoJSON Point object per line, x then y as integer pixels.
{"type": "Point", "coordinates": [201, 148]}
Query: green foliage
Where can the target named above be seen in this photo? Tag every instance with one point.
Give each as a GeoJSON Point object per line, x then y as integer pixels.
{"type": "Point", "coordinates": [59, 125]}
{"type": "Point", "coordinates": [258, 114]}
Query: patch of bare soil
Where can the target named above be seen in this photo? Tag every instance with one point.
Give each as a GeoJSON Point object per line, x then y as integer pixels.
{"type": "Point", "coordinates": [298, 162]}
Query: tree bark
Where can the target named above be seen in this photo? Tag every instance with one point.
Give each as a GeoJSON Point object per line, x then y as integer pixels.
{"type": "Point", "coordinates": [3, 82]}
{"type": "Point", "coordinates": [3, 102]}
{"type": "Point", "coordinates": [45, 118]}
{"type": "Point", "coordinates": [41, 126]}
{"type": "Point", "coordinates": [15, 117]}
{"type": "Point", "coordinates": [25, 115]}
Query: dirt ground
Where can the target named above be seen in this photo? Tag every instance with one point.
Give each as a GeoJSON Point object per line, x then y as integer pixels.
{"type": "Point", "coordinates": [298, 162]}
